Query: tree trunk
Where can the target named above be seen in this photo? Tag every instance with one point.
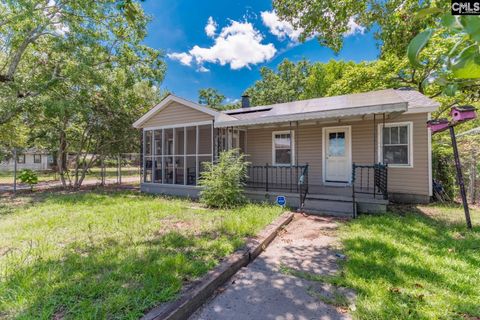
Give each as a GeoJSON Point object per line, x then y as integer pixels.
{"type": "Point", "coordinates": [62, 159]}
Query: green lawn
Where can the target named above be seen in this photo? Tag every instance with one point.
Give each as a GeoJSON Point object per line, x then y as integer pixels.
{"type": "Point", "coordinates": [110, 255]}
{"type": "Point", "coordinates": [417, 263]}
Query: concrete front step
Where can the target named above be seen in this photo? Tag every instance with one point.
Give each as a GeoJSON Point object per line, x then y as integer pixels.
{"type": "Point", "coordinates": [343, 207]}
{"type": "Point", "coordinates": [330, 207]}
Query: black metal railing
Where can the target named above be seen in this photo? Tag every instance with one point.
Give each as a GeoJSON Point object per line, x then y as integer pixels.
{"type": "Point", "coordinates": [292, 178]}
{"type": "Point", "coordinates": [369, 180]}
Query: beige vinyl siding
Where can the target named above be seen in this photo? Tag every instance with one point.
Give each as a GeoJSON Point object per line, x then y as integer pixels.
{"type": "Point", "coordinates": [309, 149]}
{"type": "Point", "coordinates": [176, 113]}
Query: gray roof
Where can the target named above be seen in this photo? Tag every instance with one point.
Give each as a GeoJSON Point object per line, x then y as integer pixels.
{"type": "Point", "coordinates": [473, 131]}
{"type": "Point", "coordinates": [388, 97]}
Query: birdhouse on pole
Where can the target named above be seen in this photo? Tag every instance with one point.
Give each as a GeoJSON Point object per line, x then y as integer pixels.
{"type": "Point", "coordinates": [463, 113]}
{"type": "Point", "coordinates": [459, 114]}
{"type": "Point", "coordinates": [438, 125]}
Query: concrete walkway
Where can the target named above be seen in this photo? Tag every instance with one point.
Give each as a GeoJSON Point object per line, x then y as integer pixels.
{"type": "Point", "coordinates": [262, 291]}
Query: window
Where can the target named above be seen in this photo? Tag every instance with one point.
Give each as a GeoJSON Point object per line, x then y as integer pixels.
{"type": "Point", "coordinates": [396, 140]}
{"type": "Point", "coordinates": [37, 158]}
{"type": "Point", "coordinates": [283, 146]}
{"type": "Point", "coordinates": [21, 158]}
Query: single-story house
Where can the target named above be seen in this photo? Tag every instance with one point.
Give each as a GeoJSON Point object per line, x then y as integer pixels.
{"type": "Point", "coordinates": [31, 158]}
{"type": "Point", "coordinates": [333, 154]}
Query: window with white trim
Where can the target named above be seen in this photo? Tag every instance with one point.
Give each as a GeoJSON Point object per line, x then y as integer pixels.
{"type": "Point", "coordinates": [396, 144]}
{"type": "Point", "coordinates": [283, 147]}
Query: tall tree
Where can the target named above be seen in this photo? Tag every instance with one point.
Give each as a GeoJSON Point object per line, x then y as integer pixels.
{"type": "Point", "coordinates": [286, 84]}
{"type": "Point", "coordinates": [303, 80]}
{"type": "Point", "coordinates": [394, 21]}
{"type": "Point", "coordinates": [211, 97]}
{"type": "Point", "coordinates": [77, 71]}
{"type": "Point", "coordinates": [36, 36]}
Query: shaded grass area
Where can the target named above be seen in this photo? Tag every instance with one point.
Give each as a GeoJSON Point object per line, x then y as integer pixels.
{"type": "Point", "coordinates": [414, 263]}
{"type": "Point", "coordinates": [111, 254]}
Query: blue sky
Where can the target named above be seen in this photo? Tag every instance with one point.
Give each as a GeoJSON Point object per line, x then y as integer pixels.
{"type": "Point", "coordinates": [240, 37]}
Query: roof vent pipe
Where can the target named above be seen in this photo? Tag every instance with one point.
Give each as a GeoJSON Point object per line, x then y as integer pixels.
{"type": "Point", "coordinates": [245, 101]}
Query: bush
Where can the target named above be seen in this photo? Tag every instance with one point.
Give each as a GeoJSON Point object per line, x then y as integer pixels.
{"type": "Point", "coordinates": [443, 167]}
{"type": "Point", "coordinates": [223, 181]}
{"type": "Point", "coordinates": [29, 177]}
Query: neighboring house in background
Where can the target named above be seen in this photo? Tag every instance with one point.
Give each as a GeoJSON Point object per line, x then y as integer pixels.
{"type": "Point", "coordinates": [32, 158]}
{"type": "Point", "coordinates": [333, 154]}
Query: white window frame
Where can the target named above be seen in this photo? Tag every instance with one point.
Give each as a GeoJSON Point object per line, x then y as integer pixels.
{"type": "Point", "coordinates": [409, 125]}
{"type": "Point", "coordinates": [292, 143]}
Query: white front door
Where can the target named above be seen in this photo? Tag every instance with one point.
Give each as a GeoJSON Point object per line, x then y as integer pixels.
{"type": "Point", "coordinates": [337, 157]}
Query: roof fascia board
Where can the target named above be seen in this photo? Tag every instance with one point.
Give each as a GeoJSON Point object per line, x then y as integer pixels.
{"type": "Point", "coordinates": [421, 110]}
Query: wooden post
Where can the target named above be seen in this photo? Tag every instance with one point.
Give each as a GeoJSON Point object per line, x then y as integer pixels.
{"type": "Point", "coordinates": [119, 166]}
{"type": "Point", "coordinates": [460, 177]}
{"type": "Point", "coordinates": [14, 171]}
{"type": "Point", "coordinates": [266, 177]}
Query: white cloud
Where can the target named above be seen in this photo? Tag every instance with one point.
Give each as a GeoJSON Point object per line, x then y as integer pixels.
{"type": "Point", "coordinates": [280, 28]}
{"type": "Point", "coordinates": [353, 28]}
{"type": "Point", "coordinates": [211, 27]}
{"type": "Point", "coordinates": [183, 57]}
{"type": "Point", "coordinates": [203, 69]}
{"type": "Point", "coordinates": [239, 44]}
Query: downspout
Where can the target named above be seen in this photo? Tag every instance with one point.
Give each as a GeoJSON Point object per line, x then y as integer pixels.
{"type": "Point", "coordinates": [383, 140]}
{"type": "Point", "coordinates": [374, 138]}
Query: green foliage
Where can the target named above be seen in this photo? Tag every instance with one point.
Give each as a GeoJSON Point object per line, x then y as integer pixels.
{"type": "Point", "coordinates": [211, 98]}
{"type": "Point", "coordinates": [111, 255]}
{"type": "Point", "coordinates": [305, 80]}
{"type": "Point", "coordinates": [462, 60]}
{"type": "Point", "coordinates": [416, 264]}
{"type": "Point", "coordinates": [394, 21]}
{"type": "Point", "coordinates": [443, 167]}
{"type": "Point", "coordinates": [223, 181]}
{"type": "Point", "coordinates": [286, 84]}
{"type": "Point", "coordinates": [29, 177]}
{"type": "Point", "coordinates": [77, 74]}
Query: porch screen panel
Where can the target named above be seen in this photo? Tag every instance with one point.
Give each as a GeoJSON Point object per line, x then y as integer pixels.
{"type": "Point", "coordinates": [157, 168]}
{"type": "Point", "coordinates": [168, 142]}
{"type": "Point", "coordinates": [157, 156]}
{"type": "Point", "coordinates": [148, 159]}
{"type": "Point", "coordinates": [168, 170]}
{"type": "Point", "coordinates": [176, 155]}
{"type": "Point", "coordinates": [191, 141]}
{"type": "Point", "coordinates": [191, 170]}
{"type": "Point", "coordinates": [205, 140]}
